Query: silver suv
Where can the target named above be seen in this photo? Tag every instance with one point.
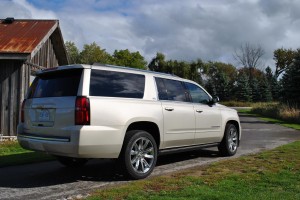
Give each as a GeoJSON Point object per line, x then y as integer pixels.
{"type": "Point", "coordinates": [80, 112]}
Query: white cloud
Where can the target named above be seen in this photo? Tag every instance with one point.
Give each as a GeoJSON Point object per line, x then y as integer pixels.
{"type": "Point", "coordinates": [184, 30]}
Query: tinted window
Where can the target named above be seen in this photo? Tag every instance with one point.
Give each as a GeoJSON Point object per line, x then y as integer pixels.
{"type": "Point", "coordinates": [198, 94]}
{"type": "Point", "coordinates": [162, 91]}
{"type": "Point", "coordinates": [56, 84]}
{"type": "Point", "coordinates": [117, 84]}
{"type": "Point", "coordinates": [171, 90]}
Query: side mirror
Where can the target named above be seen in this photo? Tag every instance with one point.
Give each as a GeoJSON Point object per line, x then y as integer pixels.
{"type": "Point", "coordinates": [214, 100]}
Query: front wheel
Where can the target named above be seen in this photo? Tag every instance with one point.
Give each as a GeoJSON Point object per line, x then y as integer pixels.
{"type": "Point", "coordinates": [72, 162]}
{"type": "Point", "coordinates": [229, 144]}
{"type": "Point", "coordinates": [139, 154]}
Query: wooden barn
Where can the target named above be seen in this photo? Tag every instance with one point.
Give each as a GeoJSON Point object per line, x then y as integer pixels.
{"type": "Point", "coordinates": [25, 46]}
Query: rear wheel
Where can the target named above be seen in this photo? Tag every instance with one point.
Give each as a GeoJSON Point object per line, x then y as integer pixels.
{"type": "Point", "coordinates": [139, 154]}
{"type": "Point", "coordinates": [229, 144]}
{"type": "Point", "coordinates": [72, 162]}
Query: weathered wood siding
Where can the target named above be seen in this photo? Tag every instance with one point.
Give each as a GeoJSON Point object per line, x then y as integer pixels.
{"type": "Point", "coordinates": [45, 57]}
{"type": "Point", "coordinates": [20, 59]}
{"type": "Point", "coordinates": [14, 83]}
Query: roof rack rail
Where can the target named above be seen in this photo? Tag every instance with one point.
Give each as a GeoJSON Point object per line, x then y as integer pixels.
{"type": "Point", "coordinates": [133, 69]}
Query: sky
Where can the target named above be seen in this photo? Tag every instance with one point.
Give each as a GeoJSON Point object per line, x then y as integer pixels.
{"type": "Point", "coordinates": [211, 30]}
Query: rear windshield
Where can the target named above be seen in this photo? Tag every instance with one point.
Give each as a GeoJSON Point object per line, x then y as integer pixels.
{"type": "Point", "coordinates": [56, 84]}
{"type": "Point", "coordinates": [117, 84]}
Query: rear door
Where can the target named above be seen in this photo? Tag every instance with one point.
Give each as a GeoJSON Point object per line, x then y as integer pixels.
{"type": "Point", "coordinates": [178, 112]}
{"type": "Point", "coordinates": [50, 104]}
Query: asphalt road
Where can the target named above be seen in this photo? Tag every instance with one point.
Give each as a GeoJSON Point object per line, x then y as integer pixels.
{"type": "Point", "coordinates": [50, 180]}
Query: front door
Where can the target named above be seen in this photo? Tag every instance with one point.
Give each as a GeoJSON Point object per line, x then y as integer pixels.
{"type": "Point", "coordinates": [178, 112]}
{"type": "Point", "coordinates": [208, 117]}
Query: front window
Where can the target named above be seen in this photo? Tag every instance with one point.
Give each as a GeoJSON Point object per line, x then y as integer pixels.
{"type": "Point", "coordinates": [171, 90]}
{"type": "Point", "coordinates": [198, 94]}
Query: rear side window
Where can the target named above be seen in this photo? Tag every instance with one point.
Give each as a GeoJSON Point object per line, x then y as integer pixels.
{"type": "Point", "coordinates": [162, 91]}
{"type": "Point", "coordinates": [56, 84]}
{"type": "Point", "coordinates": [117, 84]}
{"type": "Point", "coordinates": [171, 90]}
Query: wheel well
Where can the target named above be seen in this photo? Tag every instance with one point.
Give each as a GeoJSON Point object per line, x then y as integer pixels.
{"type": "Point", "coordinates": [236, 124]}
{"type": "Point", "coordinates": [150, 127]}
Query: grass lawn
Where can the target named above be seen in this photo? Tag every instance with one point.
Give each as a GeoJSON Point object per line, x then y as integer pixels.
{"type": "Point", "coordinates": [273, 174]}
{"type": "Point", "coordinates": [11, 153]}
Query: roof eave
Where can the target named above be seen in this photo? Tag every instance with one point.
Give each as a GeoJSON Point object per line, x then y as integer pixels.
{"type": "Point", "coordinates": [58, 44]}
{"type": "Point", "coordinates": [14, 56]}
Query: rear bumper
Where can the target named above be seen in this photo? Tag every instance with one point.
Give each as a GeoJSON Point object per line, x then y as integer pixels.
{"type": "Point", "coordinates": [84, 142]}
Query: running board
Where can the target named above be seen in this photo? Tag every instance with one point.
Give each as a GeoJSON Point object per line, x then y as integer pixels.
{"type": "Point", "coordinates": [186, 148]}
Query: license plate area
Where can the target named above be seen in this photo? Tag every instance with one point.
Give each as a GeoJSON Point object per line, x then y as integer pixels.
{"type": "Point", "coordinates": [44, 117]}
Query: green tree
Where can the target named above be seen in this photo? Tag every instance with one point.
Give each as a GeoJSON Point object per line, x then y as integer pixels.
{"type": "Point", "coordinates": [273, 83]}
{"type": "Point", "coordinates": [283, 59]}
{"type": "Point", "coordinates": [255, 89]}
{"type": "Point", "coordinates": [92, 53]}
{"type": "Point", "coordinates": [266, 94]}
{"type": "Point", "coordinates": [211, 87]}
{"type": "Point", "coordinates": [181, 68]}
{"type": "Point", "coordinates": [223, 77]}
{"type": "Point", "coordinates": [291, 81]}
{"type": "Point", "coordinates": [72, 51]}
{"type": "Point", "coordinates": [195, 72]}
{"type": "Point", "coordinates": [223, 88]}
{"type": "Point", "coordinates": [158, 63]}
{"type": "Point", "coordinates": [129, 59]}
{"type": "Point", "coordinates": [243, 89]}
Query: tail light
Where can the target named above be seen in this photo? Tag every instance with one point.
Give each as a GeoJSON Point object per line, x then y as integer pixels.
{"type": "Point", "coordinates": [82, 111]}
{"type": "Point", "coordinates": [22, 111]}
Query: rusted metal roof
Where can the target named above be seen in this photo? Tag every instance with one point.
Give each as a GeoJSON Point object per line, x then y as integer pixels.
{"type": "Point", "coordinates": [23, 36]}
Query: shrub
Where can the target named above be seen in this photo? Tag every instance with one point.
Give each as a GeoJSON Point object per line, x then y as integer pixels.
{"type": "Point", "coordinates": [280, 111]}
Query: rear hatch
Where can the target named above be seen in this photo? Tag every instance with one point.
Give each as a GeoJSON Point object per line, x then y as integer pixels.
{"type": "Point", "coordinates": [50, 105]}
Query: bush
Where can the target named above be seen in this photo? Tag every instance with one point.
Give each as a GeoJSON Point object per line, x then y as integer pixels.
{"type": "Point", "coordinates": [280, 111]}
{"type": "Point", "coordinates": [237, 103]}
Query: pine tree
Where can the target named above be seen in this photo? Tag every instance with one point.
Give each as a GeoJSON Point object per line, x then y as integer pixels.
{"type": "Point", "coordinates": [256, 93]}
{"type": "Point", "coordinates": [243, 89]}
{"type": "Point", "coordinates": [291, 81]}
{"type": "Point", "coordinates": [273, 83]}
{"type": "Point", "coordinates": [266, 94]}
{"type": "Point", "coordinates": [222, 86]}
{"type": "Point", "coordinates": [211, 88]}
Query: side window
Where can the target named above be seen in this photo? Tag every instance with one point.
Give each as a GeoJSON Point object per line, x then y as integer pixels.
{"type": "Point", "coordinates": [198, 95]}
{"type": "Point", "coordinates": [162, 91]}
{"type": "Point", "coordinates": [171, 90]}
{"type": "Point", "coordinates": [117, 84]}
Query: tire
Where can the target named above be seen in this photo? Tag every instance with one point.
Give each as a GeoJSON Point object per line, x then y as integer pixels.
{"type": "Point", "coordinates": [229, 144]}
{"type": "Point", "coordinates": [139, 154]}
{"type": "Point", "coordinates": [72, 162]}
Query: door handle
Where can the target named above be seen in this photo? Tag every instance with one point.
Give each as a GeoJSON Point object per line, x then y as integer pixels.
{"type": "Point", "coordinates": [199, 111]}
{"type": "Point", "coordinates": [169, 109]}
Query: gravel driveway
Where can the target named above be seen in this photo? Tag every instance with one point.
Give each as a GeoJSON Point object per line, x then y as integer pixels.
{"type": "Point", "coordinates": [50, 180]}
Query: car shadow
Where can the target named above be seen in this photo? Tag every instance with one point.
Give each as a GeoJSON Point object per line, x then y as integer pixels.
{"type": "Point", "coordinates": [97, 170]}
